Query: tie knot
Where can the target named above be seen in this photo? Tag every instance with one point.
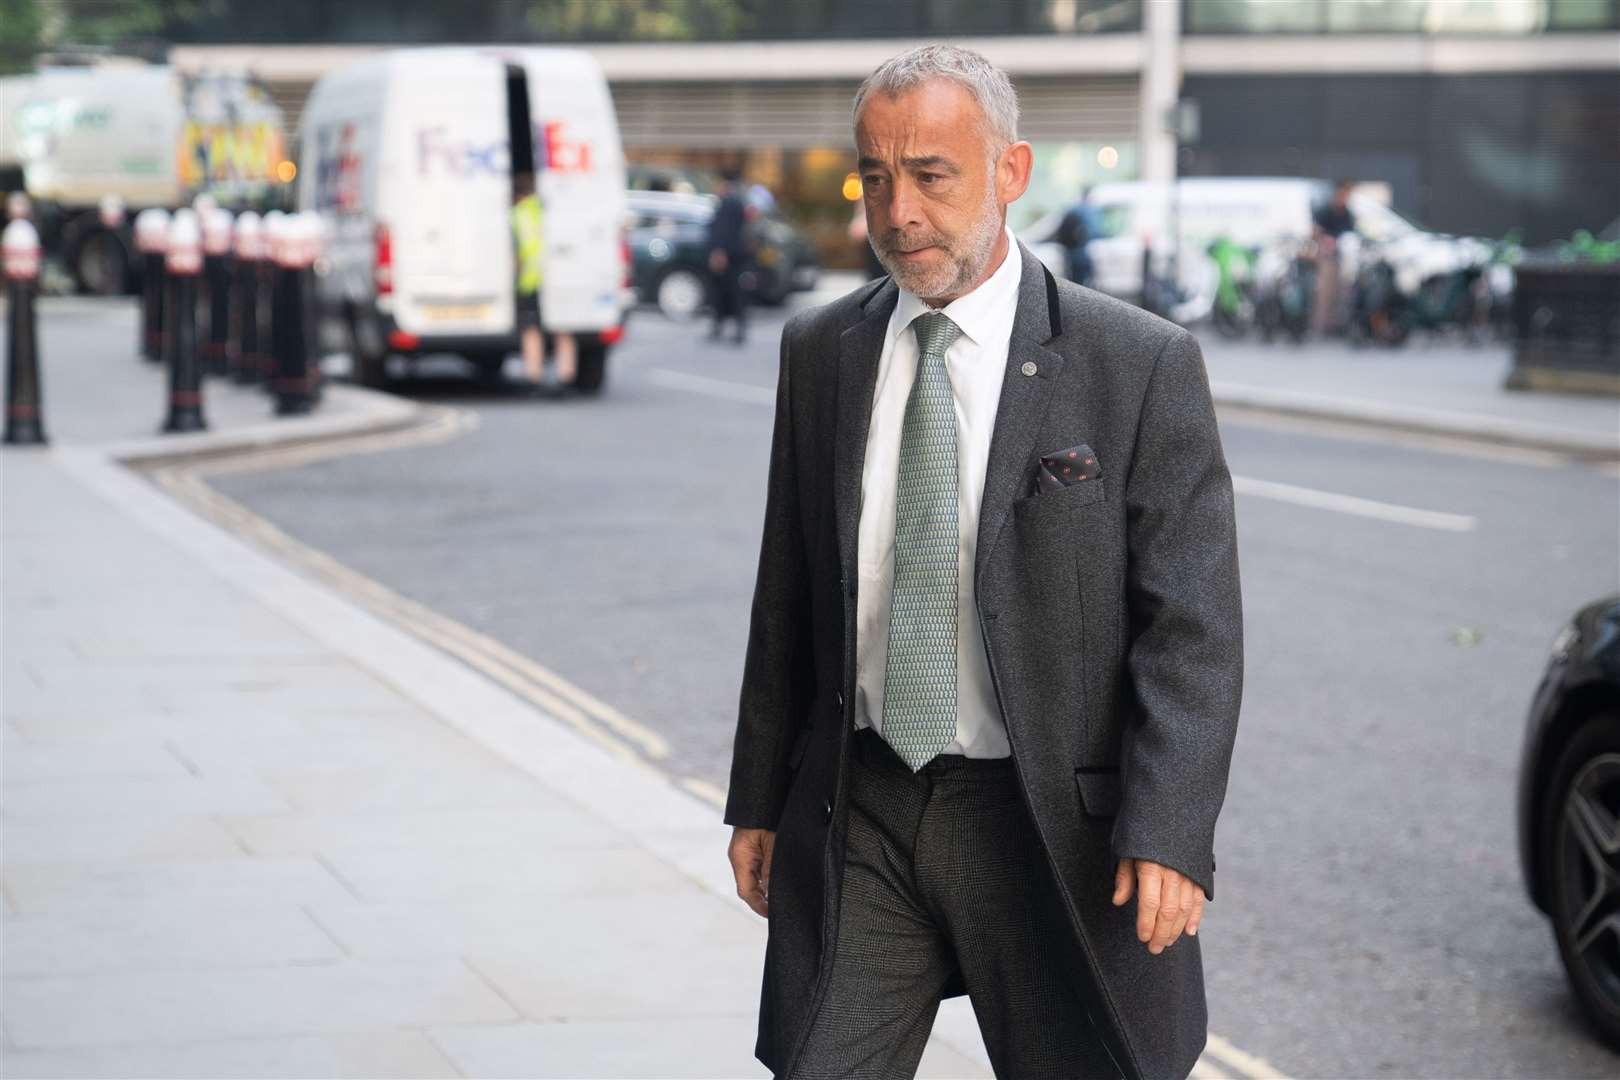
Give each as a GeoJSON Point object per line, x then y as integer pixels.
{"type": "Point", "coordinates": [935, 332]}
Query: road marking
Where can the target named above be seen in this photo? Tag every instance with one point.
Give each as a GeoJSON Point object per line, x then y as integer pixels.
{"type": "Point", "coordinates": [1351, 504]}
{"type": "Point", "coordinates": [1327, 427]}
{"type": "Point", "coordinates": [1244, 1064]}
{"type": "Point", "coordinates": [704, 790]}
{"type": "Point", "coordinates": [717, 388]}
{"type": "Point", "coordinates": [524, 677]}
{"type": "Point", "coordinates": [1205, 1069]}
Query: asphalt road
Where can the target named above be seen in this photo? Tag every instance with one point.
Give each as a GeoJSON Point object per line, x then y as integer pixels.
{"type": "Point", "coordinates": [1371, 920]}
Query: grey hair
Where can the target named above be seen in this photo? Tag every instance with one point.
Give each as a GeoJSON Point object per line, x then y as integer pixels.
{"type": "Point", "coordinates": [987, 83]}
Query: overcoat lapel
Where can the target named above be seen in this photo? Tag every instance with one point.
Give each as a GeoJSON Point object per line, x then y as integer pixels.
{"type": "Point", "coordinates": [859, 349]}
{"type": "Point", "coordinates": [1023, 401]}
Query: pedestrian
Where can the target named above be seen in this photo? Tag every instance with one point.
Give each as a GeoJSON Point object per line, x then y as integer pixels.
{"type": "Point", "coordinates": [528, 234]}
{"type": "Point", "coordinates": [1329, 222]}
{"type": "Point", "coordinates": [995, 657]}
{"type": "Point", "coordinates": [728, 255]}
{"type": "Point", "coordinates": [1073, 236]}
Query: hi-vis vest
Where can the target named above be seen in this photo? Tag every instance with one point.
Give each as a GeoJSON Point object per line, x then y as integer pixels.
{"type": "Point", "coordinates": [526, 229]}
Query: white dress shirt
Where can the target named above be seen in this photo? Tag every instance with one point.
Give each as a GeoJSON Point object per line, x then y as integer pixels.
{"type": "Point", "coordinates": [976, 362]}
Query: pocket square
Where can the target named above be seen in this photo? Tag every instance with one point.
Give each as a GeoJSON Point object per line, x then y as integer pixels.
{"type": "Point", "coordinates": [1071, 466]}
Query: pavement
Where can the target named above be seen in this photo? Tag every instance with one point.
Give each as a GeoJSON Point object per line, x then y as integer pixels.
{"type": "Point", "coordinates": [252, 828]}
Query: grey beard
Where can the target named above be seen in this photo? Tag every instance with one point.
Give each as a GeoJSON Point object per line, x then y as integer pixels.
{"type": "Point", "coordinates": [961, 271]}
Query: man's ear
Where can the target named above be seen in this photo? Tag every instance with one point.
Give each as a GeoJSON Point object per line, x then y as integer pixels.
{"type": "Point", "coordinates": [1012, 172]}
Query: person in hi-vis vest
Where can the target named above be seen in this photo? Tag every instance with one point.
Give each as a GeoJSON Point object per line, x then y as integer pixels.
{"type": "Point", "coordinates": [529, 236]}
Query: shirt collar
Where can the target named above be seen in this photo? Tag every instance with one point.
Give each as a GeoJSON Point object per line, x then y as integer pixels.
{"type": "Point", "coordinates": [983, 313]}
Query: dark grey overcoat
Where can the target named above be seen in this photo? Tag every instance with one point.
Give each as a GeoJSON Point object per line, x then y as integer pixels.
{"type": "Point", "coordinates": [1128, 581]}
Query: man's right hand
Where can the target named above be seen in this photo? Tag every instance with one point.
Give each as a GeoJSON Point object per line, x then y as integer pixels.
{"type": "Point", "coordinates": [750, 855]}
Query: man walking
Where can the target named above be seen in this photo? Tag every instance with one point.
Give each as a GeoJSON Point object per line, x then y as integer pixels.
{"type": "Point", "coordinates": [728, 255]}
{"type": "Point", "coordinates": [995, 655]}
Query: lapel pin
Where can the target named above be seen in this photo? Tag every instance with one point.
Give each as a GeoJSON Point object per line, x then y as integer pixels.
{"type": "Point", "coordinates": [1029, 367]}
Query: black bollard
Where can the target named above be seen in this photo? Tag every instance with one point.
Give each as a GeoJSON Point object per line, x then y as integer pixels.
{"type": "Point", "coordinates": [24, 423]}
{"type": "Point", "coordinates": [151, 229]}
{"type": "Point", "coordinates": [183, 266]}
{"type": "Point", "coordinates": [242, 352]}
{"type": "Point", "coordinates": [293, 333]}
{"type": "Point", "coordinates": [272, 228]}
{"type": "Point", "coordinates": [216, 231]}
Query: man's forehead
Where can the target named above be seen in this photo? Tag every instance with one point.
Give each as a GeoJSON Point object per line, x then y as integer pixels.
{"type": "Point", "coordinates": [938, 111]}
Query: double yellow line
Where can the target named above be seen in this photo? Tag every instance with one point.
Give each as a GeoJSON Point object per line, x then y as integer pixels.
{"type": "Point", "coordinates": [598, 721]}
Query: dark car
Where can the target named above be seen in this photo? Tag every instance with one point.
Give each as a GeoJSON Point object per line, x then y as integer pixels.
{"type": "Point", "coordinates": [669, 253]}
{"type": "Point", "coordinates": [1569, 807]}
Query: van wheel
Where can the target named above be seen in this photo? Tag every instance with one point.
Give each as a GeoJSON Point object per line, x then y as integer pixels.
{"type": "Point", "coordinates": [368, 354]}
{"type": "Point", "coordinates": [592, 372]}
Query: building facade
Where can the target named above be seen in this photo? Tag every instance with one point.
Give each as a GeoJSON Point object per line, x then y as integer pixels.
{"type": "Point", "coordinates": [1481, 116]}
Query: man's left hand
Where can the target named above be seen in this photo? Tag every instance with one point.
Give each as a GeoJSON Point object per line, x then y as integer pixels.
{"type": "Point", "coordinates": [1166, 902]}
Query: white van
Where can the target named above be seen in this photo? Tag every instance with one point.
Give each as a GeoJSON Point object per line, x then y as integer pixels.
{"type": "Point", "coordinates": [1252, 210]}
{"type": "Point", "coordinates": [409, 158]}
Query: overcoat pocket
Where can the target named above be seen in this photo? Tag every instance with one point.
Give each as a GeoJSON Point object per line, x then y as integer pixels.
{"type": "Point", "coordinates": [1100, 793]}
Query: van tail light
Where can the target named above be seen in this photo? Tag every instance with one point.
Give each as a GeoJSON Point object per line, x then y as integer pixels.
{"type": "Point", "coordinates": [626, 263]}
{"type": "Point", "coordinates": [403, 339]}
{"type": "Point", "coordinates": [612, 335]}
{"type": "Point", "coordinates": [384, 261]}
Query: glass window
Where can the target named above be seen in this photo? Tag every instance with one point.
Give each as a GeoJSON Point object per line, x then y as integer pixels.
{"type": "Point", "coordinates": [1583, 15]}
{"type": "Point", "coordinates": [1252, 16]}
{"type": "Point", "coordinates": [1485, 16]}
{"type": "Point", "coordinates": [1376, 16]}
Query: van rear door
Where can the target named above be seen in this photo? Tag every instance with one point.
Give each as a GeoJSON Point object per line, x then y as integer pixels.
{"type": "Point", "coordinates": [580, 164]}
{"type": "Point", "coordinates": [447, 214]}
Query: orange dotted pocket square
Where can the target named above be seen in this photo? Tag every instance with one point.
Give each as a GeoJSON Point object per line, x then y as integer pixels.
{"type": "Point", "coordinates": [1071, 466]}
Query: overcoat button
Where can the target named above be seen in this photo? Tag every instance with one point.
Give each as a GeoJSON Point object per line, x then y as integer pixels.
{"type": "Point", "coordinates": [1029, 367]}
{"type": "Point", "coordinates": [826, 811]}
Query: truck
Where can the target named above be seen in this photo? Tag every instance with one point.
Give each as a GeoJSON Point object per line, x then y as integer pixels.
{"type": "Point", "coordinates": [93, 144]}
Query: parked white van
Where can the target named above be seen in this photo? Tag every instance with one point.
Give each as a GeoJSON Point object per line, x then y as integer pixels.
{"type": "Point", "coordinates": [409, 157]}
{"type": "Point", "coordinates": [1255, 210]}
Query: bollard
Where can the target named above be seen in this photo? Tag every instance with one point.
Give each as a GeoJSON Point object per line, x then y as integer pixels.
{"type": "Point", "coordinates": [151, 238]}
{"type": "Point", "coordinates": [272, 226]}
{"type": "Point", "coordinates": [216, 282]}
{"type": "Point", "coordinates": [243, 350]}
{"type": "Point", "coordinates": [297, 375]}
{"type": "Point", "coordinates": [19, 251]}
{"type": "Point", "coordinates": [183, 265]}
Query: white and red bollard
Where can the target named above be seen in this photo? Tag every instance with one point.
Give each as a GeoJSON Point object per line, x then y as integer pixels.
{"type": "Point", "coordinates": [152, 240]}
{"type": "Point", "coordinates": [295, 244]}
{"type": "Point", "coordinates": [216, 282]}
{"type": "Point", "coordinates": [245, 352]}
{"type": "Point", "coordinates": [183, 266]}
{"type": "Point", "coordinates": [19, 252]}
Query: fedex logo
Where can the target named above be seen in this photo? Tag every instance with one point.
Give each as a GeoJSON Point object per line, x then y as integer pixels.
{"type": "Point", "coordinates": [556, 150]}
{"type": "Point", "coordinates": [435, 149]}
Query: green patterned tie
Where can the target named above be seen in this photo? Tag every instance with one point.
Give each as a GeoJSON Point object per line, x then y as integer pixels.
{"type": "Point", "coordinates": [919, 688]}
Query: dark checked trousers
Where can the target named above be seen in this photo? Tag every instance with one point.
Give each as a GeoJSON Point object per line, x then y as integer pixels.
{"type": "Point", "coordinates": [944, 872]}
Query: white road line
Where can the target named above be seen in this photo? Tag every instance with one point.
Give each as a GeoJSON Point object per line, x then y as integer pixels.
{"type": "Point", "coordinates": [717, 388]}
{"type": "Point", "coordinates": [1244, 1064]}
{"type": "Point", "coordinates": [1351, 504]}
{"type": "Point", "coordinates": [1205, 1069]}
